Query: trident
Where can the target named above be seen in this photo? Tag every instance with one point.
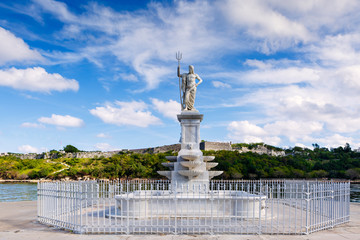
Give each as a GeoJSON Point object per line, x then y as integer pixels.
{"type": "Point", "coordinates": [178, 57]}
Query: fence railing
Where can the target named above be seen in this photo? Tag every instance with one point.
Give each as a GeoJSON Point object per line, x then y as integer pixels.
{"type": "Point", "coordinates": [223, 207]}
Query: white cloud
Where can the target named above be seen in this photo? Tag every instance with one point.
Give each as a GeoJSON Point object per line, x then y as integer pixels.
{"type": "Point", "coordinates": [14, 49]}
{"type": "Point", "coordinates": [271, 25]}
{"type": "Point", "coordinates": [246, 128]}
{"type": "Point", "coordinates": [129, 77]}
{"type": "Point", "coordinates": [243, 131]}
{"type": "Point", "coordinates": [219, 84]}
{"type": "Point", "coordinates": [302, 114]}
{"type": "Point", "coordinates": [28, 149]}
{"type": "Point", "coordinates": [293, 130]}
{"type": "Point", "coordinates": [347, 124]}
{"type": "Point", "coordinates": [260, 20]}
{"type": "Point", "coordinates": [62, 121]}
{"type": "Point", "coordinates": [325, 99]}
{"type": "Point", "coordinates": [32, 125]}
{"type": "Point", "coordinates": [344, 50]}
{"type": "Point", "coordinates": [334, 140]}
{"type": "Point", "coordinates": [258, 64]}
{"type": "Point", "coordinates": [136, 39]}
{"type": "Point", "coordinates": [153, 74]}
{"type": "Point", "coordinates": [104, 147]}
{"type": "Point", "coordinates": [36, 79]}
{"type": "Point", "coordinates": [281, 76]}
{"type": "Point", "coordinates": [248, 139]}
{"type": "Point", "coordinates": [319, 15]}
{"type": "Point", "coordinates": [316, 92]}
{"type": "Point", "coordinates": [302, 145]}
{"type": "Point", "coordinates": [169, 109]}
{"type": "Point", "coordinates": [103, 135]}
{"type": "Point", "coordinates": [271, 133]}
{"type": "Point", "coordinates": [270, 72]}
{"type": "Point", "coordinates": [126, 113]}
{"type": "Point", "coordinates": [59, 9]}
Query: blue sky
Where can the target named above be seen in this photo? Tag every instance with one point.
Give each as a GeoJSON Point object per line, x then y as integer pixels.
{"type": "Point", "coordinates": [101, 75]}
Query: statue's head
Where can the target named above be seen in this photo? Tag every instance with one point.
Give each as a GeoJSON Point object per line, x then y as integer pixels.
{"type": "Point", "coordinates": [191, 69]}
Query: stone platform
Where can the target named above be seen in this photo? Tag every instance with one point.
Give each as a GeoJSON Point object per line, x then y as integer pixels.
{"type": "Point", "coordinates": [18, 221]}
{"type": "Point", "coordinates": [213, 204]}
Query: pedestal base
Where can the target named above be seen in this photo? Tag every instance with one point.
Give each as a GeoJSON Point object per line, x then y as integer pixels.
{"type": "Point", "coordinates": [157, 204]}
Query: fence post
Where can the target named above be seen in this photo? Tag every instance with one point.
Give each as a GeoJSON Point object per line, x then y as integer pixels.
{"type": "Point", "coordinates": [39, 215]}
{"type": "Point", "coordinates": [260, 200]}
{"type": "Point", "coordinates": [332, 204]}
{"type": "Point", "coordinates": [175, 207]}
{"type": "Point", "coordinates": [127, 208]}
{"type": "Point", "coordinates": [81, 193]}
{"type": "Point", "coordinates": [307, 208]}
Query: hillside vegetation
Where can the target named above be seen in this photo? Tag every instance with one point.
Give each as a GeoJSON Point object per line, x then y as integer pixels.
{"type": "Point", "coordinates": [339, 162]}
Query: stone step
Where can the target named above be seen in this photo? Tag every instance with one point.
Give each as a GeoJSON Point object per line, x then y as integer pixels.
{"type": "Point", "coordinates": [214, 174]}
{"type": "Point", "coordinates": [190, 157]}
{"type": "Point", "coordinates": [210, 165]}
{"type": "Point", "coordinates": [190, 173]}
{"type": "Point", "coordinates": [171, 158]}
{"type": "Point", "coordinates": [208, 158]}
{"type": "Point", "coordinates": [190, 165]}
{"type": "Point", "coordinates": [165, 173]}
{"type": "Point", "coordinates": [169, 165]}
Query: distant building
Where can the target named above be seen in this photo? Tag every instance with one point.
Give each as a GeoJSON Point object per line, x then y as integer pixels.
{"type": "Point", "coordinates": [216, 146]}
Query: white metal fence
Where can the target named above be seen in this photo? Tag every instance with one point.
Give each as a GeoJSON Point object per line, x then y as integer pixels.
{"type": "Point", "coordinates": [228, 207]}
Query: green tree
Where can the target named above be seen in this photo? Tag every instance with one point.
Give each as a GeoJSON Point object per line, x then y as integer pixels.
{"type": "Point", "coordinates": [347, 148]}
{"type": "Point", "coordinates": [353, 173]}
{"type": "Point", "coordinates": [318, 174]}
{"type": "Point", "coordinates": [70, 149]}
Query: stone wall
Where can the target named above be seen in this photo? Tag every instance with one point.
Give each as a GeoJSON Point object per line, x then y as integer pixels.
{"type": "Point", "coordinates": [216, 146]}
{"type": "Point", "coordinates": [167, 148]}
{"type": "Point", "coordinates": [161, 149]}
{"type": "Point", "coordinates": [97, 154]}
{"type": "Point", "coordinates": [262, 150]}
{"type": "Point", "coordinates": [28, 155]}
{"type": "Point", "coordinates": [62, 154]}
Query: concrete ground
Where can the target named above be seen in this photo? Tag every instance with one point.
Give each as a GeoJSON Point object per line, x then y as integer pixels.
{"type": "Point", "coordinates": [18, 221]}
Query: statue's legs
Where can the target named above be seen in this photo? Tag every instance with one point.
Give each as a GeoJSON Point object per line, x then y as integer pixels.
{"type": "Point", "coordinates": [186, 99]}
{"type": "Point", "coordinates": [190, 99]}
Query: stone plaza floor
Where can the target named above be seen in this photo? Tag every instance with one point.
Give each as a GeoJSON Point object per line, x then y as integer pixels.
{"type": "Point", "coordinates": [18, 221]}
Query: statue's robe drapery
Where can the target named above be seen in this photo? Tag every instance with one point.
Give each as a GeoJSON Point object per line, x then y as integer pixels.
{"type": "Point", "coordinates": [188, 88]}
{"type": "Point", "coordinates": [189, 93]}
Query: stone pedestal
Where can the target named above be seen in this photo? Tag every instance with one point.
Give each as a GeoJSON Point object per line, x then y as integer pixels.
{"type": "Point", "coordinates": [189, 194]}
{"type": "Point", "coordinates": [213, 204]}
{"type": "Point", "coordinates": [190, 131]}
{"type": "Point", "coordinates": [191, 167]}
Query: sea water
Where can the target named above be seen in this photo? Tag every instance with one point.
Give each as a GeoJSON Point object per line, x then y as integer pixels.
{"type": "Point", "coordinates": [355, 193]}
{"type": "Point", "coordinates": [13, 192]}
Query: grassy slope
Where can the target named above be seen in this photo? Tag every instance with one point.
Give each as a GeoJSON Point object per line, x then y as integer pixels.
{"type": "Point", "coordinates": [298, 163]}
